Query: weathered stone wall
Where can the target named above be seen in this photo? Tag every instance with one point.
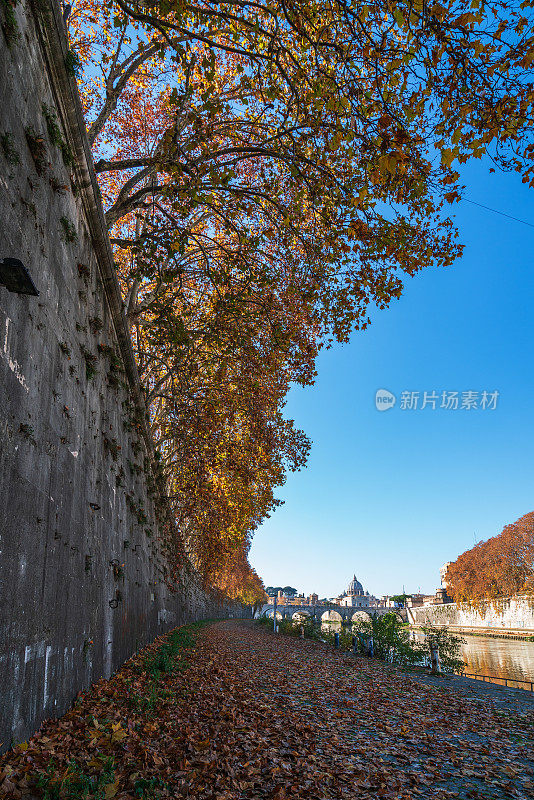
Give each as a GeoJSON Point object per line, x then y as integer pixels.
{"type": "Point", "coordinates": [507, 615]}
{"type": "Point", "coordinates": [84, 574]}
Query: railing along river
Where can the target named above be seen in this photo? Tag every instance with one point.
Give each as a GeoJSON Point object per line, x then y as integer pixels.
{"type": "Point", "coordinates": [526, 684]}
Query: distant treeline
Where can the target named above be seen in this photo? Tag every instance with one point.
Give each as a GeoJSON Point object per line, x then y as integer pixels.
{"type": "Point", "coordinates": [272, 591]}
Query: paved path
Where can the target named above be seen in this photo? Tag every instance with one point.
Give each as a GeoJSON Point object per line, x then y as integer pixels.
{"type": "Point", "coordinates": [256, 716]}
{"type": "Point", "coordinates": [334, 726]}
{"type": "Point", "coordinates": [503, 698]}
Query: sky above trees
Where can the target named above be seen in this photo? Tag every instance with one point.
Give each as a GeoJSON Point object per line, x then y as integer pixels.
{"type": "Point", "coordinates": [394, 495]}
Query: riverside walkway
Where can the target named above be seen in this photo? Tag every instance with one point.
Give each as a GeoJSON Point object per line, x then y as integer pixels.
{"type": "Point", "coordinates": [245, 714]}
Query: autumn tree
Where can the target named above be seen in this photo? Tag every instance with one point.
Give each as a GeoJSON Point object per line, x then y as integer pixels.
{"type": "Point", "coordinates": [239, 581]}
{"type": "Point", "coordinates": [270, 172]}
{"type": "Point", "coordinates": [499, 567]}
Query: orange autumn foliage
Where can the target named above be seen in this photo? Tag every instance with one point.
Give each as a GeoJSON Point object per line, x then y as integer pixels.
{"type": "Point", "coordinates": [269, 174]}
{"type": "Point", "coordinates": [499, 567]}
{"type": "Point", "coordinates": [238, 580]}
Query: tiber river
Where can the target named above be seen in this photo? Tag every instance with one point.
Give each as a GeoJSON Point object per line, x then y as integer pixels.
{"type": "Point", "coordinates": [503, 658]}
{"type": "Point", "coordinates": [500, 658]}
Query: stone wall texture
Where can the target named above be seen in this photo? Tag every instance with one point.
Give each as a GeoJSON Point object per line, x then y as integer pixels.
{"type": "Point", "coordinates": [85, 576]}
{"type": "Point", "coordinates": [512, 615]}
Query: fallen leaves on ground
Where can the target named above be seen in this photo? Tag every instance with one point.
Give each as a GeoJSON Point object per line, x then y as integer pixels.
{"type": "Point", "coordinates": [253, 715]}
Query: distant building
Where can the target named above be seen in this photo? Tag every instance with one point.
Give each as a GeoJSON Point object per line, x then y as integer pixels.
{"type": "Point", "coordinates": [443, 573]}
{"type": "Point", "coordinates": [439, 598]}
{"type": "Point", "coordinates": [355, 587]}
{"type": "Point", "coordinates": [416, 600]}
{"type": "Point", "coordinates": [297, 600]}
{"type": "Point", "coordinates": [356, 596]}
{"type": "Point", "coordinates": [442, 597]}
{"type": "Point", "coordinates": [387, 602]}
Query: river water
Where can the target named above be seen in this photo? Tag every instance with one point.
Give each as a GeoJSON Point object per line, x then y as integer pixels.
{"type": "Point", "coordinates": [512, 659]}
{"type": "Point", "coordinates": [498, 658]}
{"type": "Point", "coordinates": [502, 658]}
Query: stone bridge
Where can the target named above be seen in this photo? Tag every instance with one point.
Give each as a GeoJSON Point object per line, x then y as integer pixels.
{"type": "Point", "coordinates": [328, 613]}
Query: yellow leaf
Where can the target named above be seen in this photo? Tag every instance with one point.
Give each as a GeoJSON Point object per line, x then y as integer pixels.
{"type": "Point", "coordinates": [111, 789]}
{"type": "Point", "coordinates": [118, 733]}
{"type": "Point", "coordinates": [447, 157]}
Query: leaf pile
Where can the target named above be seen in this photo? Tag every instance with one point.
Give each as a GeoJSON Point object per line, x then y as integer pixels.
{"type": "Point", "coordinates": [253, 715]}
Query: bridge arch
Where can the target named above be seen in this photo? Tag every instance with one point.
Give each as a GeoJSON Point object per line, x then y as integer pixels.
{"type": "Point", "coordinates": [331, 616]}
{"type": "Point", "coordinates": [270, 614]}
{"type": "Point", "coordinates": [361, 616]}
{"type": "Point", "coordinates": [301, 613]}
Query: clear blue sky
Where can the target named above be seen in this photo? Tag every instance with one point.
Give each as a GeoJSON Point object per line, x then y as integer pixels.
{"type": "Point", "coordinates": [391, 496]}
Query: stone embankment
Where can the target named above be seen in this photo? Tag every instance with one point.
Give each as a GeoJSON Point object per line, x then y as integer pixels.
{"type": "Point", "coordinates": [509, 616]}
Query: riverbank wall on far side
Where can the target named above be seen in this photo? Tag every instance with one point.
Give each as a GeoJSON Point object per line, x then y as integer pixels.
{"type": "Point", "coordinates": [511, 616]}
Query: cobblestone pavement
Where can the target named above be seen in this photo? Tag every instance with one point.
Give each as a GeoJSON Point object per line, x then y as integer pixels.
{"type": "Point", "coordinates": [248, 715]}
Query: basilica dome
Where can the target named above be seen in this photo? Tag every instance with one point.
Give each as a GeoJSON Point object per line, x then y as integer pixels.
{"type": "Point", "coordinates": [355, 587]}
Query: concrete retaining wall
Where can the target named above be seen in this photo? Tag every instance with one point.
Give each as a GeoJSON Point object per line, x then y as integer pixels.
{"type": "Point", "coordinates": [511, 615]}
{"type": "Point", "coordinates": [85, 574]}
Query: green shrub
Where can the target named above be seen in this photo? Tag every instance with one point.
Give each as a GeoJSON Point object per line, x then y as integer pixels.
{"type": "Point", "coordinates": [55, 135]}
{"type": "Point", "coordinates": [265, 622]}
{"type": "Point", "coordinates": [392, 641]}
{"type": "Point", "coordinates": [10, 24]}
{"type": "Point", "coordinates": [449, 647]}
{"type": "Point", "coordinates": [73, 65]}
{"type": "Point", "coordinates": [169, 656]}
{"type": "Point", "coordinates": [292, 627]}
{"type": "Point", "coordinates": [68, 232]}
